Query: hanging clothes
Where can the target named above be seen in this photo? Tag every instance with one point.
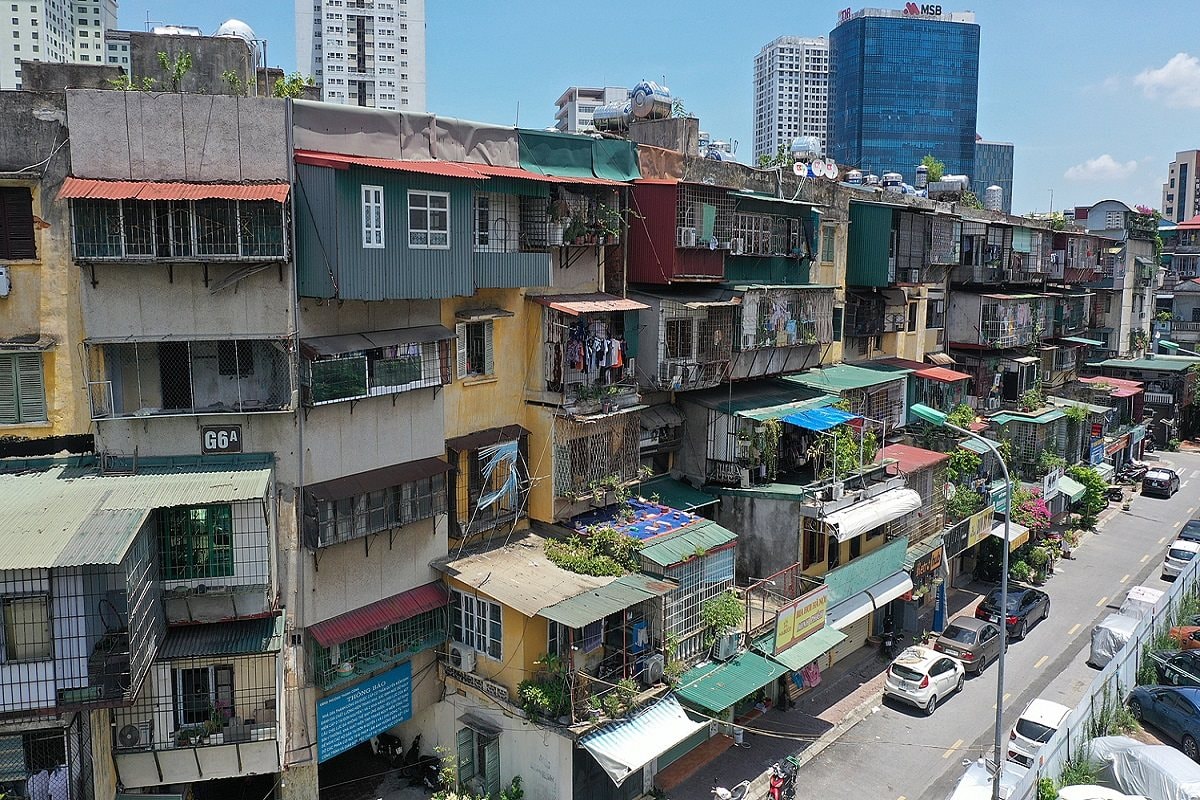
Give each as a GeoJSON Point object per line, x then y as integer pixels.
{"type": "Point", "coordinates": [812, 675]}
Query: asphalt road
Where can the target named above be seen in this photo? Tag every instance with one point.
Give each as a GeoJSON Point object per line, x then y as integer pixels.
{"type": "Point", "coordinates": [897, 752]}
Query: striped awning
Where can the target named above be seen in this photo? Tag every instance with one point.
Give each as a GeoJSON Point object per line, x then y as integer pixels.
{"type": "Point", "coordinates": [624, 747]}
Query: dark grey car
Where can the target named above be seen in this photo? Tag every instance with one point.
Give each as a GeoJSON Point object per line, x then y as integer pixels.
{"type": "Point", "coordinates": [975, 642]}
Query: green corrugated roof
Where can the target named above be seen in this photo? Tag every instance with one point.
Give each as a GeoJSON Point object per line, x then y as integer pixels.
{"type": "Point", "coordinates": [781, 411]}
{"type": "Point", "coordinates": [598, 603]}
{"type": "Point", "coordinates": [239, 637]}
{"type": "Point", "coordinates": [1066, 402]}
{"type": "Point", "coordinates": [1160, 363]}
{"type": "Point", "coordinates": [675, 494]}
{"type": "Point", "coordinates": [674, 547]}
{"type": "Point", "coordinates": [975, 446]}
{"type": "Point", "coordinates": [843, 377]}
{"type": "Point", "coordinates": [1071, 487]}
{"type": "Point", "coordinates": [865, 571]}
{"type": "Point", "coordinates": [715, 687]}
{"type": "Point", "coordinates": [67, 515]}
{"type": "Point", "coordinates": [804, 652]}
{"type": "Point", "coordinates": [1039, 419]}
{"type": "Point", "coordinates": [921, 549]}
{"type": "Point", "coordinates": [737, 398]}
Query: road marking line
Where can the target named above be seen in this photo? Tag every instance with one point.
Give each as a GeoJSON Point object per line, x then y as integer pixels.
{"type": "Point", "coordinates": [1041, 661]}
{"type": "Point", "coordinates": [1145, 558]}
{"type": "Point", "coordinates": [1125, 579]}
{"type": "Point", "coordinates": [1163, 539]}
{"type": "Point", "coordinates": [901, 797]}
{"type": "Point", "coordinates": [1074, 628]}
{"type": "Point", "coordinates": [1102, 601]}
{"type": "Point", "coordinates": [950, 750]}
{"type": "Point", "coordinates": [1191, 510]}
{"type": "Point", "coordinates": [1006, 696]}
{"type": "Point", "coordinates": [1182, 485]}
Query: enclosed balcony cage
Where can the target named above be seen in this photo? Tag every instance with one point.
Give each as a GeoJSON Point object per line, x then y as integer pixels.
{"type": "Point", "coordinates": [883, 402]}
{"type": "Point", "coordinates": [1012, 323]}
{"type": "Point", "coordinates": [375, 372]}
{"type": "Point", "coordinates": [695, 345]}
{"type": "Point", "coordinates": [587, 356]}
{"type": "Point", "coordinates": [173, 378]}
{"type": "Point", "coordinates": [756, 234]}
{"type": "Point", "coordinates": [535, 223]}
{"type": "Point", "coordinates": [781, 317]}
{"type": "Point", "coordinates": [704, 214]}
{"type": "Point", "coordinates": [700, 579]}
{"type": "Point", "coordinates": [179, 230]}
{"type": "Point", "coordinates": [53, 762]}
{"type": "Point", "coordinates": [342, 663]}
{"type": "Point", "coordinates": [586, 454]}
{"type": "Point", "coordinates": [863, 315]}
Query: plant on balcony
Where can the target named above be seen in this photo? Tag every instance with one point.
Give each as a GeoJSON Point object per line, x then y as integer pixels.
{"type": "Point", "coordinates": [608, 221]}
{"type": "Point", "coordinates": [1031, 400]}
{"type": "Point", "coordinates": [1049, 461]}
{"type": "Point", "coordinates": [765, 441]}
{"type": "Point", "coordinates": [547, 695]}
{"type": "Point", "coordinates": [721, 614]}
{"type": "Point", "coordinates": [963, 503]}
{"type": "Point", "coordinates": [963, 465]}
{"type": "Point", "coordinates": [846, 450]}
{"type": "Point", "coordinates": [1164, 316]}
{"type": "Point", "coordinates": [601, 551]}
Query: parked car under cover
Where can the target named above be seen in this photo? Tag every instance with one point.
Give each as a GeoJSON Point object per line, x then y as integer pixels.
{"type": "Point", "coordinates": [921, 676]}
{"type": "Point", "coordinates": [975, 642]}
{"type": "Point", "coordinates": [1160, 481]}
{"type": "Point", "coordinates": [1174, 710]}
{"type": "Point", "coordinates": [1177, 667]}
{"type": "Point", "coordinates": [1026, 606]}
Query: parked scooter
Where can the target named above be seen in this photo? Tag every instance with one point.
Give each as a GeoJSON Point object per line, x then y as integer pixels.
{"type": "Point", "coordinates": [389, 747]}
{"type": "Point", "coordinates": [736, 793]}
{"type": "Point", "coordinates": [409, 767]}
{"type": "Point", "coordinates": [783, 781]}
{"type": "Point", "coordinates": [428, 773]}
{"type": "Point", "coordinates": [887, 643]}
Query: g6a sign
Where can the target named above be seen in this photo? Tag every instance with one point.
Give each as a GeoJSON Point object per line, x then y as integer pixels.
{"type": "Point", "coordinates": [914, 10]}
{"type": "Point", "coordinates": [220, 439]}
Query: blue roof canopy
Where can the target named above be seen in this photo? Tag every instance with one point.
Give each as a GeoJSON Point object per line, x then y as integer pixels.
{"type": "Point", "coordinates": [819, 419]}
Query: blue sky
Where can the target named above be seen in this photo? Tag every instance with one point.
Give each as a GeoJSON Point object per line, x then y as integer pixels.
{"type": "Point", "coordinates": [1097, 95]}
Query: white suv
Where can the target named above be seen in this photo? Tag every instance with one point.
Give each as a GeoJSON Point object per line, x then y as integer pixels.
{"type": "Point", "coordinates": [1178, 555]}
{"type": "Point", "coordinates": [921, 676]}
{"type": "Point", "coordinates": [1037, 723]}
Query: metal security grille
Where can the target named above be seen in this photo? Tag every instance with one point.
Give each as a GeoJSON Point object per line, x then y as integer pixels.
{"type": "Point", "coordinates": [884, 402]}
{"type": "Point", "coordinates": [225, 544]}
{"type": "Point", "coordinates": [380, 510]}
{"type": "Point", "coordinates": [579, 358]}
{"type": "Point", "coordinates": [392, 644]}
{"type": "Point", "coordinates": [786, 318]}
{"type": "Point", "coordinates": [585, 217]}
{"type": "Point", "coordinates": [944, 245]}
{"type": "Point", "coordinates": [703, 213]}
{"type": "Point", "coordinates": [201, 702]}
{"type": "Point", "coordinates": [179, 230]}
{"type": "Point", "coordinates": [376, 372]}
{"type": "Point", "coordinates": [695, 346]}
{"type": "Point", "coordinates": [767, 235]}
{"type": "Point", "coordinates": [45, 763]}
{"type": "Point", "coordinates": [586, 453]}
{"type": "Point", "coordinates": [138, 379]}
{"type": "Point", "coordinates": [475, 480]}
{"type": "Point", "coordinates": [700, 579]}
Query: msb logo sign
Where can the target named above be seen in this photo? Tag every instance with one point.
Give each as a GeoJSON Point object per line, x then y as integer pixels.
{"type": "Point", "coordinates": [914, 10]}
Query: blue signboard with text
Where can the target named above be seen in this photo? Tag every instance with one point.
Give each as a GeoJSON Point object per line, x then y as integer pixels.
{"type": "Point", "coordinates": [355, 715]}
{"type": "Point", "coordinates": [1097, 454]}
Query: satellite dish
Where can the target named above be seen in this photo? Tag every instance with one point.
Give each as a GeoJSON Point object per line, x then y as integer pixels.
{"type": "Point", "coordinates": [801, 169]}
{"type": "Point", "coordinates": [831, 169]}
{"type": "Point", "coordinates": [818, 168]}
{"type": "Point", "coordinates": [129, 736]}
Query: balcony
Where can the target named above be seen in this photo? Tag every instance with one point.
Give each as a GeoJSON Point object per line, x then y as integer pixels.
{"type": "Point", "coordinates": [188, 378]}
{"type": "Point", "coordinates": [589, 365]}
{"type": "Point", "coordinates": [595, 455]}
{"type": "Point", "coordinates": [1160, 398]}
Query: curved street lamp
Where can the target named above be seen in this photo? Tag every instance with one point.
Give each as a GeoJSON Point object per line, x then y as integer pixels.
{"type": "Point", "coordinates": [935, 417]}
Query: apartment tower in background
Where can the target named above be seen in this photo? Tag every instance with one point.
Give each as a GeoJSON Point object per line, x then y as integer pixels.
{"type": "Point", "coordinates": [1181, 192]}
{"type": "Point", "coordinates": [577, 104]}
{"type": "Point", "coordinates": [994, 167]}
{"type": "Point", "coordinates": [54, 30]}
{"type": "Point", "coordinates": [364, 53]}
{"type": "Point", "coordinates": [791, 92]}
{"type": "Point", "coordinates": [904, 84]}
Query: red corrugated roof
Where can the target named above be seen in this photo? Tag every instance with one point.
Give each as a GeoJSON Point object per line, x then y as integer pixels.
{"type": "Point", "coordinates": [496, 171]}
{"type": "Point", "coordinates": [80, 188]}
{"type": "Point", "coordinates": [1124, 391]}
{"type": "Point", "coordinates": [1113, 381]}
{"type": "Point", "coordinates": [942, 374]}
{"type": "Point", "coordinates": [1194, 222]}
{"type": "Point", "coordinates": [388, 611]}
{"type": "Point", "coordinates": [576, 304]}
{"type": "Point", "coordinates": [909, 458]}
{"type": "Point", "coordinates": [446, 169]}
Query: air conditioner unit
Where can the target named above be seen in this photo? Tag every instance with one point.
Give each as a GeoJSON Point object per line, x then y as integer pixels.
{"type": "Point", "coordinates": [462, 657]}
{"type": "Point", "coordinates": [135, 735]}
{"type": "Point", "coordinates": [726, 647]}
{"type": "Point", "coordinates": [687, 237]}
{"type": "Point", "coordinates": [737, 245]}
{"type": "Point", "coordinates": [653, 669]}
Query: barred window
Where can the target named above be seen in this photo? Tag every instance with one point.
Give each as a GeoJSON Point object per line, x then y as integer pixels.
{"type": "Point", "coordinates": [360, 515]}
{"type": "Point", "coordinates": [196, 542]}
{"type": "Point", "coordinates": [27, 629]}
{"type": "Point", "coordinates": [477, 623]}
{"type": "Point", "coordinates": [679, 339]}
{"type": "Point", "coordinates": [380, 371]}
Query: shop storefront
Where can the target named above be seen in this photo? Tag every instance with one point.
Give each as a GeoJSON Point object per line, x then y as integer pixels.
{"type": "Point", "coordinates": [862, 594]}
{"type": "Point", "coordinates": [961, 543]}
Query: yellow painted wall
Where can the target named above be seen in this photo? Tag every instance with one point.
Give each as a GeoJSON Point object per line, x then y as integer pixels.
{"type": "Point", "coordinates": [832, 273]}
{"type": "Point", "coordinates": [45, 300]}
{"type": "Point", "coordinates": [868, 546]}
{"type": "Point", "coordinates": [523, 642]}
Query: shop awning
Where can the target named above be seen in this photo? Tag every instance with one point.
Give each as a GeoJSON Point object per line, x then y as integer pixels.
{"type": "Point", "coordinates": [1018, 534]}
{"type": "Point", "coordinates": [806, 651]}
{"type": "Point", "coordinates": [921, 549]}
{"type": "Point", "coordinates": [595, 604]}
{"type": "Point", "coordinates": [855, 608]}
{"type": "Point", "coordinates": [660, 416]}
{"type": "Point", "coordinates": [624, 747]}
{"type": "Point", "coordinates": [380, 614]}
{"type": "Point", "coordinates": [237, 637]}
{"type": "Point", "coordinates": [868, 515]}
{"type": "Point", "coordinates": [1072, 488]}
{"type": "Point", "coordinates": [376, 479]}
{"type": "Point", "coordinates": [595, 303]}
{"type": "Point", "coordinates": [445, 169]}
{"type": "Point", "coordinates": [1104, 469]}
{"type": "Point", "coordinates": [1082, 340]}
{"type": "Point", "coordinates": [717, 686]}
{"type": "Point", "coordinates": [819, 419]}
{"type": "Point", "coordinates": [373, 340]}
{"type": "Point", "coordinates": [942, 359]}
{"type": "Point", "coordinates": [86, 188]}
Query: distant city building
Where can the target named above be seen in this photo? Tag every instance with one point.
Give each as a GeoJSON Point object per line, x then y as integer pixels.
{"type": "Point", "coordinates": [994, 167]}
{"type": "Point", "coordinates": [901, 86]}
{"type": "Point", "coordinates": [54, 31]}
{"type": "Point", "coordinates": [1181, 192]}
{"type": "Point", "coordinates": [577, 104]}
{"type": "Point", "coordinates": [365, 54]}
{"type": "Point", "coordinates": [791, 93]}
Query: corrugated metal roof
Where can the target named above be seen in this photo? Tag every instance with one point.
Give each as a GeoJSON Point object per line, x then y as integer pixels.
{"type": "Point", "coordinates": [679, 545]}
{"type": "Point", "coordinates": [785, 409]}
{"type": "Point", "coordinates": [1160, 363]}
{"type": "Point", "coordinates": [576, 304]}
{"type": "Point", "coordinates": [375, 479]}
{"type": "Point", "coordinates": [844, 377]}
{"type": "Point", "coordinates": [1071, 487]}
{"type": "Point", "coordinates": [65, 515]}
{"type": "Point", "coordinates": [529, 175]}
{"type": "Point", "coordinates": [865, 571]}
{"type": "Point", "coordinates": [909, 458]}
{"type": "Point", "coordinates": [380, 614]}
{"type": "Point", "coordinates": [238, 637]}
{"type": "Point", "coordinates": [715, 687]}
{"type": "Point", "coordinates": [623, 748]}
{"type": "Point", "coordinates": [1066, 402]}
{"type": "Point", "coordinates": [663, 415]}
{"type": "Point", "coordinates": [942, 374]}
{"type": "Point", "coordinates": [1036, 419]}
{"type": "Point", "coordinates": [371, 340]}
{"type": "Point", "coordinates": [1128, 384]}
{"type": "Point", "coordinates": [746, 398]}
{"type": "Point", "coordinates": [675, 494]}
{"type": "Point", "coordinates": [81, 188]}
{"type": "Point", "coordinates": [598, 603]}
{"type": "Point", "coordinates": [975, 446]}
{"type": "Point", "coordinates": [804, 652]}
{"type": "Point", "coordinates": [473, 441]}
{"type": "Point", "coordinates": [446, 169]}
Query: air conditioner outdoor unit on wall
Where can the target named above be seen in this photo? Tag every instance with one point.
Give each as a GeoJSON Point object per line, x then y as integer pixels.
{"type": "Point", "coordinates": [726, 647]}
{"type": "Point", "coordinates": [687, 237]}
{"type": "Point", "coordinates": [462, 657]}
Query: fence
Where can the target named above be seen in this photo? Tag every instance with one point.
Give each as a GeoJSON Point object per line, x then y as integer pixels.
{"type": "Point", "coordinates": [1109, 687]}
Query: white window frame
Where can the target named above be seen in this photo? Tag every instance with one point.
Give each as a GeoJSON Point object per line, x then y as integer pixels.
{"type": "Point", "coordinates": [415, 231]}
{"type": "Point", "coordinates": [372, 216]}
{"type": "Point", "coordinates": [488, 368]}
{"type": "Point", "coordinates": [476, 616]}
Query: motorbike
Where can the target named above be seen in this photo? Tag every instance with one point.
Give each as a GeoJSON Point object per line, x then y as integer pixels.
{"type": "Point", "coordinates": [427, 773]}
{"type": "Point", "coordinates": [887, 643]}
{"type": "Point", "coordinates": [1114, 493]}
{"type": "Point", "coordinates": [1132, 472]}
{"type": "Point", "coordinates": [389, 747]}
{"type": "Point", "coordinates": [409, 767]}
{"type": "Point", "coordinates": [736, 793]}
{"type": "Point", "coordinates": [783, 782]}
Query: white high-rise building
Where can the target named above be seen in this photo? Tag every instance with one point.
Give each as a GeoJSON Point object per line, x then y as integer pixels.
{"type": "Point", "coordinates": [577, 104]}
{"type": "Point", "coordinates": [364, 52]}
{"type": "Point", "coordinates": [56, 31]}
{"type": "Point", "coordinates": [791, 92]}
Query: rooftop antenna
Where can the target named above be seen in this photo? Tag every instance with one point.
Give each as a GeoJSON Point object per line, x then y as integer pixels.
{"type": "Point", "coordinates": [150, 24]}
{"type": "Point", "coordinates": [517, 122]}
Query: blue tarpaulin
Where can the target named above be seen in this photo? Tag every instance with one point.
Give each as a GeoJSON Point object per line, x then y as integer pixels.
{"type": "Point", "coordinates": [819, 419]}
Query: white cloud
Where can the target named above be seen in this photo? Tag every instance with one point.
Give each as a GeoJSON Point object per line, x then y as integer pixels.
{"type": "Point", "coordinates": [1177, 82]}
{"type": "Point", "coordinates": [1101, 168]}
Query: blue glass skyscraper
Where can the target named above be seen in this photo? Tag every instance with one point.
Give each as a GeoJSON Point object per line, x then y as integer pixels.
{"type": "Point", "coordinates": [994, 167]}
{"type": "Point", "coordinates": [904, 84]}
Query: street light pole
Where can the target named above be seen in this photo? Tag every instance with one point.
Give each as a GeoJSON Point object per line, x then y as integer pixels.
{"type": "Point", "coordinates": [935, 417]}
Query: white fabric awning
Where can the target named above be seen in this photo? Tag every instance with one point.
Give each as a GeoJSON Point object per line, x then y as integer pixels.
{"type": "Point", "coordinates": [858, 606]}
{"type": "Point", "coordinates": [1018, 534]}
{"type": "Point", "coordinates": [870, 514]}
{"type": "Point", "coordinates": [625, 747]}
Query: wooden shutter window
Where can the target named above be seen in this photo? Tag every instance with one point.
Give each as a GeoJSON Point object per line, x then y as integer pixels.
{"type": "Point", "coordinates": [489, 360]}
{"type": "Point", "coordinates": [16, 223]}
{"type": "Point", "coordinates": [460, 341]}
{"type": "Point", "coordinates": [31, 393]}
